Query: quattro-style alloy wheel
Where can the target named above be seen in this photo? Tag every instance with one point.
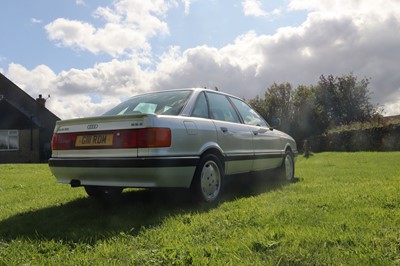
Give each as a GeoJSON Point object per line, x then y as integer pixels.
{"type": "Point", "coordinates": [208, 178]}
{"type": "Point", "coordinates": [286, 170]}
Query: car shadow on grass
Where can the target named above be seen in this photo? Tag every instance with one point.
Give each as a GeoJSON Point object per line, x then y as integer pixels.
{"type": "Point", "coordinates": [87, 220]}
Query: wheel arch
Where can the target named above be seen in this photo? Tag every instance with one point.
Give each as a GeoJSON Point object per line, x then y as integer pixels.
{"type": "Point", "coordinates": [292, 148]}
{"type": "Point", "coordinates": [213, 148]}
{"type": "Point", "coordinates": [288, 148]}
{"type": "Point", "coordinates": [217, 153]}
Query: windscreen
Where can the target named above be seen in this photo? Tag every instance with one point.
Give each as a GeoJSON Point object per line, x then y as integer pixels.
{"type": "Point", "coordinates": [161, 103]}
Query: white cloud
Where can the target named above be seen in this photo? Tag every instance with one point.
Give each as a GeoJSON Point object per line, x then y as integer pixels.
{"type": "Point", "coordinates": [357, 6]}
{"type": "Point", "coordinates": [88, 92]}
{"type": "Point", "coordinates": [129, 26]}
{"type": "Point", "coordinates": [107, 14]}
{"type": "Point", "coordinates": [72, 33]}
{"type": "Point", "coordinates": [114, 39]}
{"type": "Point", "coordinates": [354, 36]}
{"type": "Point", "coordinates": [393, 107]}
{"type": "Point", "coordinates": [36, 81]}
{"type": "Point", "coordinates": [361, 11]}
{"type": "Point", "coordinates": [84, 105]}
{"type": "Point", "coordinates": [36, 21]}
{"type": "Point", "coordinates": [245, 52]}
{"type": "Point", "coordinates": [253, 8]}
{"type": "Point", "coordinates": [80, 2]}
{"type": "Point", "coordinates": [187, 4]}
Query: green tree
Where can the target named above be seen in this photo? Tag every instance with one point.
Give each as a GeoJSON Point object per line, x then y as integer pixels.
{"type": "Point", "coordinates": [308, 111]}
{"type": "Point", "coordinates": [306, 119]}
{"type": "Point", "coordinates": [258, 104]}
{"type": "Point", "coordinates": [278, 104]}
{"type": "Point", "coordinates": [344, 100]}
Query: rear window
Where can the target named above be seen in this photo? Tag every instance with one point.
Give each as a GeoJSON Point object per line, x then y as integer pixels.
{"type": "Point", "coordinates": [161, 103]}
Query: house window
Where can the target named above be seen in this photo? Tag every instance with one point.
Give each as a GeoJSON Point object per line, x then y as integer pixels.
{"type": "Point", "coordinates": [9, 140]}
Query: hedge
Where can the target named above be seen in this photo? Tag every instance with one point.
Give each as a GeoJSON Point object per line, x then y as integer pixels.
{"type": "Point", "coordinates": [386, 138]}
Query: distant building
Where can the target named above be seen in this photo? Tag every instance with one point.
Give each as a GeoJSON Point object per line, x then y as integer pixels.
{"type": "Point", "coordinates": [394, 119]}
{"type": "Point", "coordinates": [26, 125]}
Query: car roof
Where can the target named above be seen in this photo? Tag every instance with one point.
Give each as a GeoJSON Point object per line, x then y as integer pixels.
{"type": "Point", "coordinates": [197, 89]}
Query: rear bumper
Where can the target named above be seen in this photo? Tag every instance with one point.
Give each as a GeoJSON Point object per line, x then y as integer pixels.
{"type": "Point", "coordinates": [126, 172]}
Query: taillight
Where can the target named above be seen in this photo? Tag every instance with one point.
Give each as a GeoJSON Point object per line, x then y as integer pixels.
{"type": "Point", "coordinates": [154, 137]}
{"type": "Point", "coordinates": [54, 142]}
{"type": "Point", "coordinates": [63, 141]}
{"type": "Point", "coordinates": [125, 139]}
{"type": "Point", "coordinates": [120, 139]}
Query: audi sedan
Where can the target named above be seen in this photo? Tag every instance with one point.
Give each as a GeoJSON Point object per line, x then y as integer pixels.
{"type": "Point", "coordinates": [186, 138]}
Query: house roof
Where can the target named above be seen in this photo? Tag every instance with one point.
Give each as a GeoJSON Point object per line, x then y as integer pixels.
{"type": "Point", "coordinates": [11, 96]}
{"type": "Point", "coordinates": [14, 118]}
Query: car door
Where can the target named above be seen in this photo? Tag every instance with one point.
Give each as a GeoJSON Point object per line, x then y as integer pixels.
{"type": "Point", "coordinates": [267, 148]}
{"type": "Point", "coordinates": [235, 138]}
{"type": "Point", "coordinates": [267, 143]}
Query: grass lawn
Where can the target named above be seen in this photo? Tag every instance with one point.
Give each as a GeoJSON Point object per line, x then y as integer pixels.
{"type": "Point", "coordinates": [345, 210]}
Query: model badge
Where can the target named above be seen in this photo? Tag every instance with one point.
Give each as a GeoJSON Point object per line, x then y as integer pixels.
{"type": "Point", "coordinates": [92, 126]}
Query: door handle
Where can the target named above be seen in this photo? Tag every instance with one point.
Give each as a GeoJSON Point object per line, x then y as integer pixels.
{"type": "Point", "coordinates": [224, 129]}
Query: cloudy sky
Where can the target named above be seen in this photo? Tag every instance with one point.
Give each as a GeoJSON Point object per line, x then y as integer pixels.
{"type": "Point", "coordinates": [91, 54]}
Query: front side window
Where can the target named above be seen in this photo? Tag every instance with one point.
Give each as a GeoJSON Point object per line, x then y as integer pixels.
{"type": "Point", "coordinates": [250, 117]}
{"type": "Point", "coordinates": [9, 140]}
{"type": "Point", "coordinates": [161, 103]}
{"type": "Point", "coordinates": [221, 108]}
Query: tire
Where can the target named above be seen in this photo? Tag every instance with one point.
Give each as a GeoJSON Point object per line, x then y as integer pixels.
{"type": "Point", "coordinates": [208, 179]}
{"type": "Point", "coordinates": [286, 171]}
{"type": "Point", "coordinates": [102, 192]}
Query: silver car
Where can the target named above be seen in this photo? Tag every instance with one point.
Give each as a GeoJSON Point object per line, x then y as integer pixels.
{"type": "Point", "coordinates": [187, 138]}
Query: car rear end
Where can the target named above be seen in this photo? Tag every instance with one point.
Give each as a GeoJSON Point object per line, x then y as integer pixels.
{"type": "Point", "coordinates": [121, 151]}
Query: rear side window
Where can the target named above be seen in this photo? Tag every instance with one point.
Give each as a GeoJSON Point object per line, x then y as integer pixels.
{"type": "Point", "coordinates": [201, 107]}
{"type": "Point", "coordinates": [221, 108]}
{"type": "Point", "coordinates": [250, 117]}
{"type": "Point", "coordinates": [162, 103]}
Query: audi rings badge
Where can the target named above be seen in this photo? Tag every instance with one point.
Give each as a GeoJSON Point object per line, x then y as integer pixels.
{"type": "Point", "coordinates": [92, 126]}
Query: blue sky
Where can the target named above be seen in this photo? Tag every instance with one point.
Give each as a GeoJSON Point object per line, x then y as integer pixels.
{"type": "Point", "coordinates": [102, 52]}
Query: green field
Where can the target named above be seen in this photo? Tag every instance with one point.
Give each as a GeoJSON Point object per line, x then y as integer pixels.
{"type": "Point", "coordinates": [345, 210]}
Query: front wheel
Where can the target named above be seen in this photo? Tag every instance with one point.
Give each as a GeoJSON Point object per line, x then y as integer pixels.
{"type": "Point", "coordinates": [102, 192]}
{"type": "Point", "coordinates": [208, 178]}
{"type": "Point", "coordinates": [286, 171]}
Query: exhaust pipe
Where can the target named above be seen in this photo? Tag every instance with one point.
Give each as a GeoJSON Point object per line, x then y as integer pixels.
{"type": "Point", "coordinates": [75, 183]}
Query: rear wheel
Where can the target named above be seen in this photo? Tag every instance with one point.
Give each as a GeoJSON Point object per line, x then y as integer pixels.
{"type": "Point", "coordinates": [286, 171]}
{"type": "Point", "coordinates": [103, 192]}
{"type": "Point", "coordinates": [208, 178]}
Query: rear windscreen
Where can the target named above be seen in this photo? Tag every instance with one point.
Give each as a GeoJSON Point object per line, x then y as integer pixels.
{"type": "Point", "coordinates": [161, 103]}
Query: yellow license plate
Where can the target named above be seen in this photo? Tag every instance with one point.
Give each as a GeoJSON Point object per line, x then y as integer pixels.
{"type": "Point", "coordinates": [94, 140]}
